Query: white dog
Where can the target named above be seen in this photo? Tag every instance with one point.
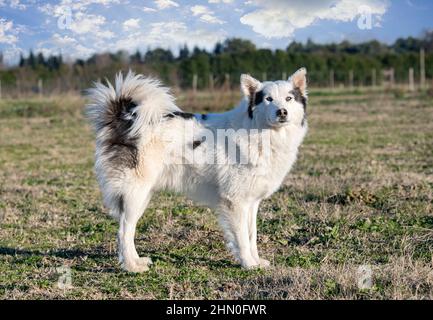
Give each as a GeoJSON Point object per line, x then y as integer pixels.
{"type": "Point", "coordinates": [145, 143]}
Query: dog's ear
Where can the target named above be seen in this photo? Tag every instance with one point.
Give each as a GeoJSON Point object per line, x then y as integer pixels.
{"type": "Point", "coordinates": [299, 80]}
{"type": "Point", "coordinates": [249, 85]}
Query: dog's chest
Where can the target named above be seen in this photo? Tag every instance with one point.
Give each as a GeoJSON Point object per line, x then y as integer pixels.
{"type": "Point", "coordinates": [274, 162]}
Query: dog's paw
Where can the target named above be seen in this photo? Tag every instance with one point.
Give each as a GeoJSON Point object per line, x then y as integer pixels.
{"type": "Point", "coordinates": [262, 263]}
{"type": "Point", "coordinates": [137, 265]}
{"type": "Point", "coordinates": [250, 264]}
{"type": "Point", "coordinates": [144, 261]}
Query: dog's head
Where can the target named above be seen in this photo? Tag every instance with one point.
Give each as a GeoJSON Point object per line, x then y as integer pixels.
{"type": "Point", "coordinates": [277, 103]}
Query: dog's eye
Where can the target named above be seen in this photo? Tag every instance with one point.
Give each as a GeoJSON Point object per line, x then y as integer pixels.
{"type": "Point", "coordinates": [288, 99]}
{"type": "Point", "coordinates": [269, 99]}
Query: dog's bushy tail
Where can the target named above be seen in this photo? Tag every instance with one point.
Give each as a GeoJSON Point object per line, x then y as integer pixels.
{"type": "Point", "coordinates": [122, 115]}
{"type": "Point", "coordinates": [133, 102]}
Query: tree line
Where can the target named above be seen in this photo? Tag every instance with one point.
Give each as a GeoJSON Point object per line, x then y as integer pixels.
{"type": "Point", "coordinates": [223, 65]}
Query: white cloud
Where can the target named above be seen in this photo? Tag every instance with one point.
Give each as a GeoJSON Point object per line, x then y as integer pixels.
{"type": "Point", "coordinates": [69, 47]}
{"type": "Point", "coordinates": [147, 9]}
{"type": "Point", "coordinates": [82, 5]}
{"type": "Point", "coordinates": [14, 4]}
{"type": "Point", "coordinates": [211, 19]}
{"type": "Point", "coordinates": [170, 35]}
{"type": "Point", "coordinates": [199, 10]}
{"type": "Point", "coordinates": [63, 41]}
{"type": "Point", "coordinates": [280, 18]}
{"type": "Point", "coordinates": [11, 54]}
{"type": "Point", "coordinates": [131, 24]}
{"type": "Point", "coordinates": [220, 1]}
{"type": "Point", "coordinates": [7, 31]}
{"type": "Point", "coordinates": [165, 4]}
{"type": "Point", "coordinates": [206, 15]}
{"type": "Point", "coordinates": [90, 24]}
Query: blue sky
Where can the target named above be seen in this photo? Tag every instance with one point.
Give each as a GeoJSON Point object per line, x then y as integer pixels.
{"type": "Point", "coordinates": [81, 28]}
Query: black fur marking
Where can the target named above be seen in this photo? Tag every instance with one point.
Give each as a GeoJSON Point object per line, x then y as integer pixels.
{"type": "Point", "coordinates": [184, 115]}
{"type": "Point", "coordinates": [129, 105]}
{"type": "Point", "coordinates": [204, 117]}
{"type": "Point", "coordinates": [120, 204]}
{"type": "Point", "coordinates": [258, 98]}
{"type": "Point", "coordinates": [299, 97]}
{"type": "Point", "coordinates": [196, 144]}
{"type": "Point", "coordinates": [255, 99]}
{"type": "Point", "coordinates": [120, 147]}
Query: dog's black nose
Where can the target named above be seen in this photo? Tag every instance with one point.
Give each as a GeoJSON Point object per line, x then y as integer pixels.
{"type": "Point", "coordinates": [282, 113]}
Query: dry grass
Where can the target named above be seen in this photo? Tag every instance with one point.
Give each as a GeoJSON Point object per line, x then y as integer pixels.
{"type": "Point", "coordinates": [361, 194]}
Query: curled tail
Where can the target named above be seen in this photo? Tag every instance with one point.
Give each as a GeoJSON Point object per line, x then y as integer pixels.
{"type": "Point", "coordinates": [121, 115]}
{"type": "Point", "coordinates": [134, 101]}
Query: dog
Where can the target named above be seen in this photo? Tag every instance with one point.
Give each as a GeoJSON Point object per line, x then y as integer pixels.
{"type": "Point", "coordinates": [145, 143]}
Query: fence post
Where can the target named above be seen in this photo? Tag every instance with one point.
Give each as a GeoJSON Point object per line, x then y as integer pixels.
{"type": "Point", "coordinates": [331, 79]}
{"type": "Point", "coordinates": [264, 76]}
{"type": "Point", "coordinates": [411, 80]}
{"type": "Point", "coordinates": [211, 83]}
{"type": "Point", "coordinates": [373, 78]}
{"type": "Point", "coordinates": [226, 81]}
{"type": "Point", "coordinates": [284, 76]}
{"type": "Point", "coordinates": [40, 87]}
{"type": "Point", "coordinates": [422, 68]}
{"type": "Point", "coordinates": [194, 83]}
{"type": "Point", "coordinates": [392, 79]}
{"type": "Point", "coordinates": [351, 79]}
{"type": "Point", "coordinates": [18, 84]}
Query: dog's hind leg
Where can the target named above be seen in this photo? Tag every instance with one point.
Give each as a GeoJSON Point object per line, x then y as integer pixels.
{"type": "Point", "coordinates": [234, 220]}
{"type": "Point", "coordinates": [135, 202]}
{"type": "Point", "coordinates": [252, 229]}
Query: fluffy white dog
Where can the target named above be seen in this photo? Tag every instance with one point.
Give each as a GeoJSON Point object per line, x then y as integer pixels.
{"type": "Point", "coordinates": [229, 161]}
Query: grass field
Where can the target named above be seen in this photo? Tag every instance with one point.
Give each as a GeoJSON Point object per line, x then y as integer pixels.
{"type": "Point", "coordinates": [361, 194]}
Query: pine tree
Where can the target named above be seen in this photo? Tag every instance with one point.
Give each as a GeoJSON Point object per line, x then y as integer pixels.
{"type": "Point", "coordinates": [31, 60]}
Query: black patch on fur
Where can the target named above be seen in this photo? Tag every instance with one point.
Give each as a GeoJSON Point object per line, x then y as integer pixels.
{"type": "Point", "coordinates": [255, 99]}
{"type": "Point", "coordinates": [204, 117]}
{"type": "Point", "coordinates": [120, 204]}
{"type": "Point", "coordinates": [120, 147]}
{"type": "Point", "coordinates": [196, 143]}
{"type": "Point", "coordinates": [184, 115]}
{"type": "Point", "coordinates": [299, 97]}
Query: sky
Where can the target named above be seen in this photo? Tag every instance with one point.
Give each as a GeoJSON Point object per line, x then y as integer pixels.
{"type": "Point", "coordinates": [78, 29]}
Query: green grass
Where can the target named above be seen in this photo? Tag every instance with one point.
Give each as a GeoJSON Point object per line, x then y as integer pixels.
{"type": "Point", "coordinates": [361, 193]}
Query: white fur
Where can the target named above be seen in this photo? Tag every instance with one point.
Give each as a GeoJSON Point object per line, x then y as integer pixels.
{"type": "Point", "coordinates": [234, 191]}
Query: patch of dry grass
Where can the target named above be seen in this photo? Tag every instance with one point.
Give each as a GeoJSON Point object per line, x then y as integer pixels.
{"type": "Point", "coordinates": [360, 194]}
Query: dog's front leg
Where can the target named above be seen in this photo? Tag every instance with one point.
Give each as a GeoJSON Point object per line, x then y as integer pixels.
{"type": "Point", "coordinates": [252, 228]}
{"type": "Point", "coordinates": [234, 221]}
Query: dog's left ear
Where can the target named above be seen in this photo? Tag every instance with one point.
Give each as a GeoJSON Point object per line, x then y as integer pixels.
{"type": "Point", "coordinates": [299, 80]}
{"type": "Point", "coordinates": [249, 85]}
{"type": "Point", "coordinates": [251, 89]}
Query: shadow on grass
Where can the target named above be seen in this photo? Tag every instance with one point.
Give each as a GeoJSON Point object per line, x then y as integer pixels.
{"type": "Point", "coordinates": [182, 260]}
{"type": "Point", "coordinates": [99, 253]}
{"type": "Point", "coordinates": [59, 253]}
